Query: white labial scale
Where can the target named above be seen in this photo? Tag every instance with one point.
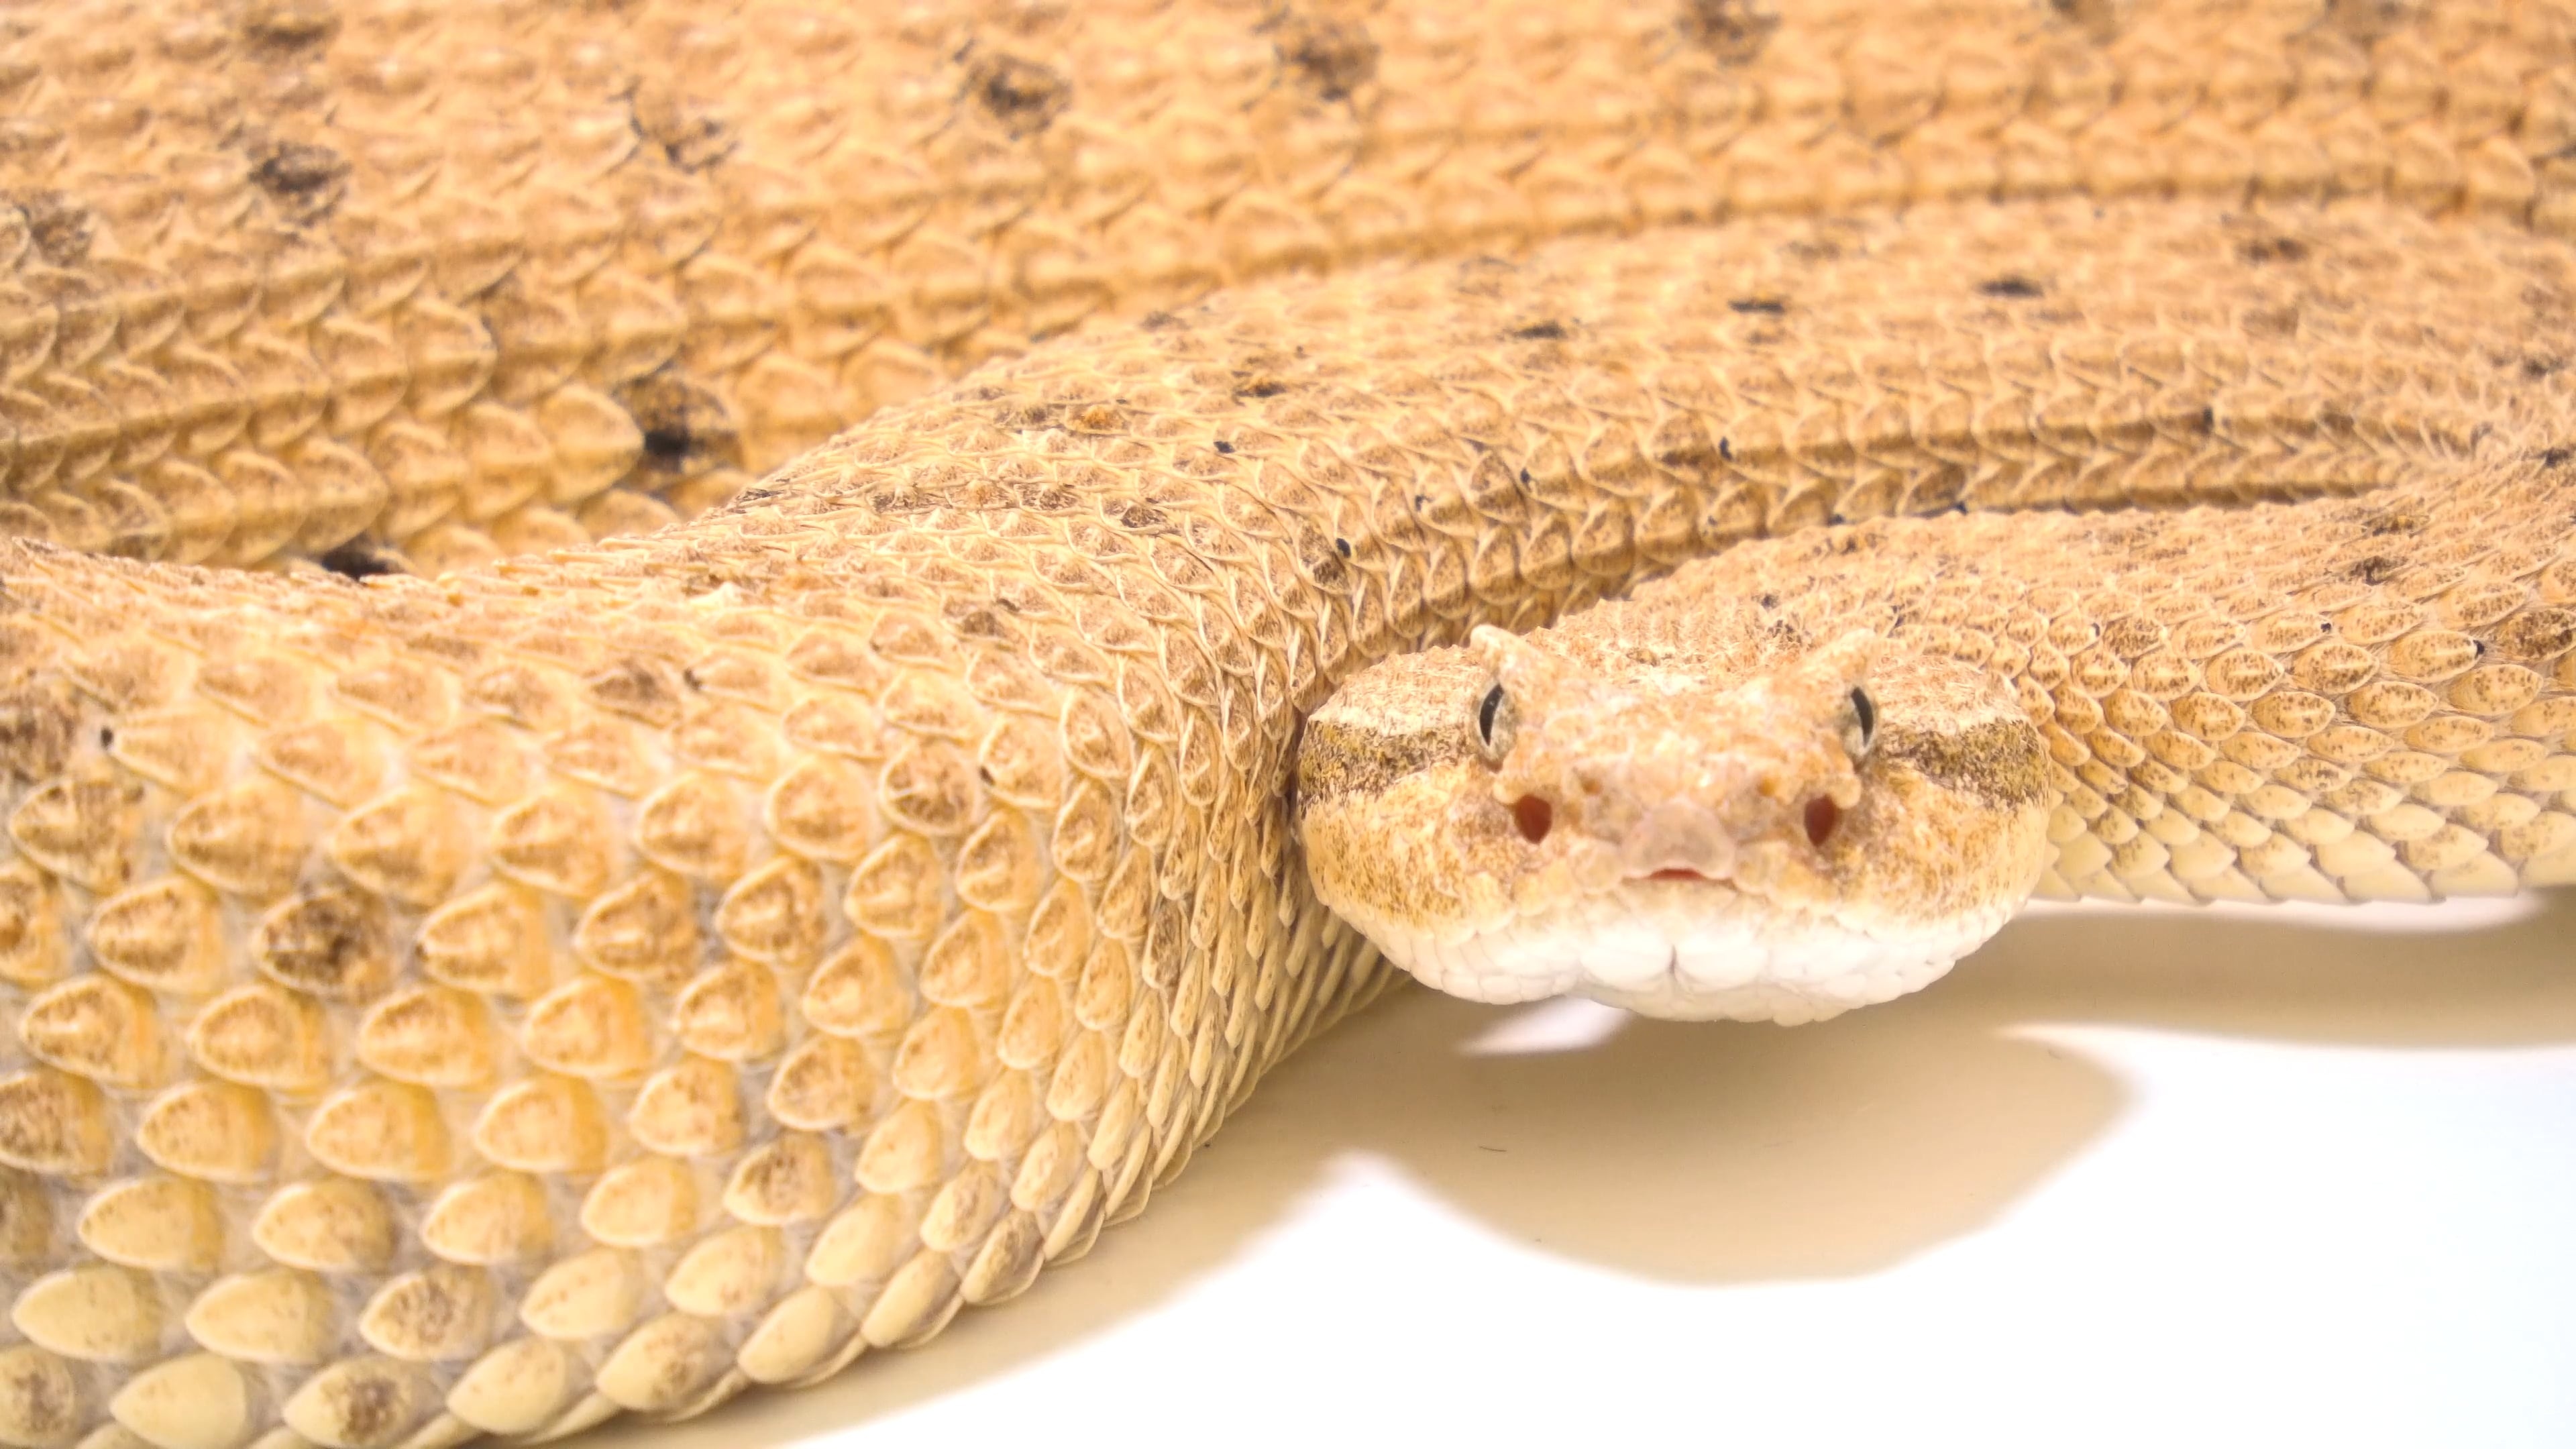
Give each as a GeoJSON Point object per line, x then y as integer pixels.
{"type": "Point", "coordinates": [1624, 953]}
{"type": "Point", "coordinates": [1731, 967]}
{"type": "Point", "coordinates": [1670, 957]}
{"type": "Point", "coordinates": [1480, 968]}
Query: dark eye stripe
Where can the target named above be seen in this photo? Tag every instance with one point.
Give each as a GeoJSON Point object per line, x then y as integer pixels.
{"type": "Point", "coordinates": [1867, 709]}
{"type": "Point", "coordinates": [1485, 713]}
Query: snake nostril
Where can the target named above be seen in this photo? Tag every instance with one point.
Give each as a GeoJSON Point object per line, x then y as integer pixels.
{"type": "Point", "coordinates": [1823, 818]}
{"type": "Point", "coordinates": [1534, 816]}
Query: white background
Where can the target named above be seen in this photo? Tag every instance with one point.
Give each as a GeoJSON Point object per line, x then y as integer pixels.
{"type": "Point", "coordinates": [2140, 1177]}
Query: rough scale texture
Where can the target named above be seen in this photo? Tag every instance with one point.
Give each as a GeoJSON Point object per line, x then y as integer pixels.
{"type": "Point", "coordinates": [2334, 700]}
{"type": "Point", "coordinates": [426, 282]}
{"type": "Point", "coordinates": [607, 982]}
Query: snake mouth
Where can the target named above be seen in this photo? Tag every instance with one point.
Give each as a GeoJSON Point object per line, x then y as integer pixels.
{"type": "Point", "coordinates": [1675, 872]}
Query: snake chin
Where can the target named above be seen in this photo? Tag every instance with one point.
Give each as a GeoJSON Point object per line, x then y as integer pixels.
{"type": "Point", "coordinates": [1694, 951]}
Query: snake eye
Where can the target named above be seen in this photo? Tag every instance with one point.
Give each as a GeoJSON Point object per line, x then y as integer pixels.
{"type": "Point", "coordinates": [1491, 706]}
{"type": "Point", "coordinates": [1866, 709]}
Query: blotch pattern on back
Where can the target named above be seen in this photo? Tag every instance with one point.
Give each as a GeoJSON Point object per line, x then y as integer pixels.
{"type": "Point", "coordinates": [607, 981]}
{"type": "Point", "coordinates": [382, 285]}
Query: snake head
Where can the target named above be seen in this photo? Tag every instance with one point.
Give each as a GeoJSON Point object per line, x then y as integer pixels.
{"type": "Point", "coordinates": [1619, 756]}
{"type": "Point", "coordinates": [1690, 815]}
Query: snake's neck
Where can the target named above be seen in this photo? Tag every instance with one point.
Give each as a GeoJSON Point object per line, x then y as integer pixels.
{"type": "Point", "coordinates": [2364, 699]}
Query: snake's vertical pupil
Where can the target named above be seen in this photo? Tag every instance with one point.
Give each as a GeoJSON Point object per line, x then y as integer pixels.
{"type": "Point", "coordinates": [1823, 818]}
{"type": "Point", "coordinates": [1534, 816]}
{"type": "Point", "coordinates": [1485, 711]}
{"type": "Point", "coordinates": [1867, 709]}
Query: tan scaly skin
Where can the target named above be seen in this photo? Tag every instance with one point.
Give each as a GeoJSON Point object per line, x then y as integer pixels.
{"type": "Point", "coordinates": [608, 981]}
{"type": "Point", "coordinates": [2073, 705]}
{"type": "Point", "coordinates": [1811, 773]}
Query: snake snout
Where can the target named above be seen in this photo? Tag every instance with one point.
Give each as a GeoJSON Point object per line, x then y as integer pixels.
{"type": "Point", "coordinates": [1679, 840]}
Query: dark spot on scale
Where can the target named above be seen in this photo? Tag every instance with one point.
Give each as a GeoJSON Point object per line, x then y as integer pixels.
{"type": "Point", "coordinates": [1525, 477]}
{"type": "Point", "coordinates": [35, 733]}
{"type": "Point", "coordinates": [59, 226]}
{"type": "Point", "coordinates": [1731, 31]}
{"type": "Point", "coordinates": [1758, 306]}
{"type": "Point", "coordinates": [1021, 94]}
{"type": "Point", "coordinates": [1726, 449]}
{"type": "Point", "coordinates": [48, 1402]}
{"type": "Point", "coordinates": [1223, 446]}
{"type": "Point", "coordinates": [1261, 387]}
{"type": "Point", "coordinates": [689, 136]}
{"type": "Point", "coordinates": [1330, 59]}
{"type": "Point", "coordinates": [362, 558]}
{"type": "Point", "coordinates": [2208, 420]}
{"type": "Point", "coordinates": [2264, 250]}
{"type": "Point", "coordinates": [975, 622]}
{"type": "Point", "coordinates": [328, 941]}
{"type": "Point", "coordinates": [369, 1406]}
{"type": "Point", "coordinates": [1343, 545]}
{"type": "Point", "coordinates": [1769, 600]}
{"type": "Point", "coordinates": [2018, 287]}
{"type": "Point", "coordinates": [107, 737]}
{"type": "Point", "coordinates": [304, 181]}
{"type": "Point", "coordinates": [1157, 320]}
{"type": "Point", "coordinates": [2534, 369]}
{"type": "Point", "coordinates": [690, 678]}
{"type": "Point", "coordinates": [685, 426]}
{"type": "Point", "coordinates": [2556, 457]}
{"type": "Point", "coordinates": [984, 773]}
{"type": "Point", "coordinates": [1540, 332]}
{"type": "Point", "coordinates": [634, 687]}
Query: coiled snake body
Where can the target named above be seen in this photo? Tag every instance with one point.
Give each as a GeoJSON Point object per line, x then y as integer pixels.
{"type": "Point", "coordinates": [603, 981]}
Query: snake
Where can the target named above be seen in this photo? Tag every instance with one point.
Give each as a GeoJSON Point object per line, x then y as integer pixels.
{"type": "Point", "coordinates": [686, 684]}
{"type": "Point", "coordinates": [1813, 770]}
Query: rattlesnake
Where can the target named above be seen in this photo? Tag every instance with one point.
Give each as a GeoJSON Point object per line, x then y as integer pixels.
{"type": "Point", "coordinates": [1812, 772]}
{"type": "Point", "coordinates": [514, 991]}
